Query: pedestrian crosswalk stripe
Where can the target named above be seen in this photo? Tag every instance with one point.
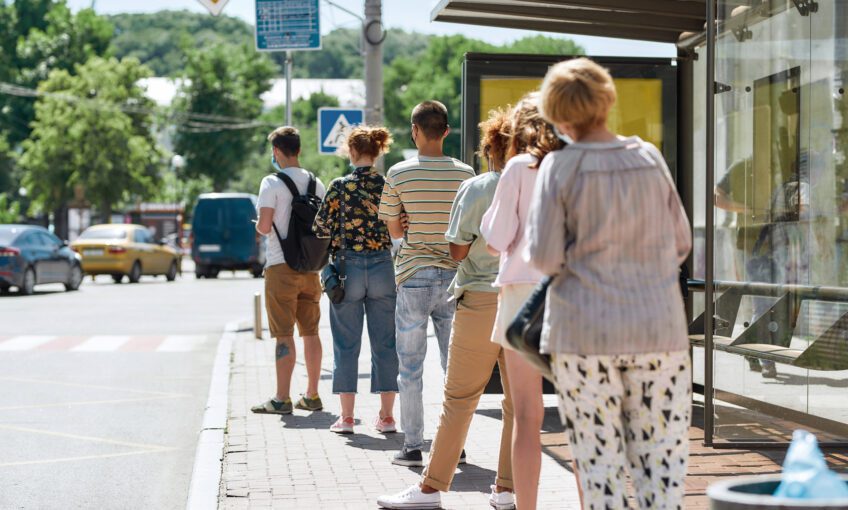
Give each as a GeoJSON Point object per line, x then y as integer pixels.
{"type": "Point", "coordinates": [180, 343]}
{"type": "Point", "coordinates": [24, 343]}
{"type": "Point", "coordinates": [103, 343]}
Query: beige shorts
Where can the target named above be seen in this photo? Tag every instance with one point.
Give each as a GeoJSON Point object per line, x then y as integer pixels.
{"type": "Point", "coordinates": [292, 298]}
{"type": "Point", "coordinates": [510, 300]}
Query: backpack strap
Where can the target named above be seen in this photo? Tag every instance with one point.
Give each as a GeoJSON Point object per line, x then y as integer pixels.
{"type": "Point", "coordinates": [289, 183]}
{"type": "Point", "coordinates": [313, 185]}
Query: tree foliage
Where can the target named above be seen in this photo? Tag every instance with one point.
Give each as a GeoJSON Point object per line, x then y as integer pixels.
{"type": "Point", "coordinates": [224, 81]}
{"type": "Point", "coordinates": [46, 36]}
{"type": "Point", "coordinates": [89, 143]}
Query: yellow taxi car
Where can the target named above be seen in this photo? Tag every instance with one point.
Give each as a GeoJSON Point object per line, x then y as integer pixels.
{"type": "Point", "coordinates": [124, 249]}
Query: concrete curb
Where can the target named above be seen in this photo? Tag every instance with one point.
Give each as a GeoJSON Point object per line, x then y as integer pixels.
{"type": "Point", "coordinates": [205, 485]}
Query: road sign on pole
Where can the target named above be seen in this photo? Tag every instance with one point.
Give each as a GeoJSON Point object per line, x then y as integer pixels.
{"type": "Point", "coordinates": [334, 125]}
{"type": "Point", "coordinates": [283, 25]}
{"type": "Point", "coordinates": [214, 6]}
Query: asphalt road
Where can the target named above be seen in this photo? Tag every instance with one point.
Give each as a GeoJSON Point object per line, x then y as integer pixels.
{"type": "Point", "coordinates": [102, 391]}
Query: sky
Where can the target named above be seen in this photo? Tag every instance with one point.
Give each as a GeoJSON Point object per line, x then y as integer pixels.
{"type": "Point", "coordinates": [411, 15]}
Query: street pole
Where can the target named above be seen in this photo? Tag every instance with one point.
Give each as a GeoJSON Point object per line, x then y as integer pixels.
{"type": "Point", "coordinates": [373, 36]}
{"type": "Point", "coordinates": [288, 88]}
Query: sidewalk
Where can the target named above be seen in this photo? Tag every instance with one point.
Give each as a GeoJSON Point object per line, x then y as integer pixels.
{"type": "Point", "coordinates": [294, 462]}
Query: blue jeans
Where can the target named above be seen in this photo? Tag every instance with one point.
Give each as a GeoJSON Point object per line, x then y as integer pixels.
{"type": "Point", "coordinates": [424, 295]}
{"type": "Point", "coordinates": [369, 292]}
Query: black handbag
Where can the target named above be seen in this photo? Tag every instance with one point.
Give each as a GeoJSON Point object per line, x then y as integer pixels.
{"type": "Point", "coordinates": [333, 275]}
{"type": "Point", "coordinates": [525, 331]}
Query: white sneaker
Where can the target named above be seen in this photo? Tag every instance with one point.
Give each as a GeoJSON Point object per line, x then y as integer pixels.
{"type": "Point", "coordinates": [501, 500]}
{"type": "Point", "coordinates": [411, 498]}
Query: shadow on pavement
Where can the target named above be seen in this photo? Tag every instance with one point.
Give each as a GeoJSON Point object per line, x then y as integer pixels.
{"type": "Point", "coordinates": [315, 420]}
{"type": "Point", "coordinates": [385, 443]}
{"type": "Point", "coordinates": [473, 478]}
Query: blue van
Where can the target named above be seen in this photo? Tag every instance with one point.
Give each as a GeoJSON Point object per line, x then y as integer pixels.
{"type": "Point", "coordinates": [223, 235]}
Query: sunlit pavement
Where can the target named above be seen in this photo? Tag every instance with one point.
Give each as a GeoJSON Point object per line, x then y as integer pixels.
{"type": "Point", "coordinates": [103, 390]}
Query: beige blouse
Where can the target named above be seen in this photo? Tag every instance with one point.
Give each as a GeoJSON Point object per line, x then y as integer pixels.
{"type": "Point", "coordinates": [606, 218]}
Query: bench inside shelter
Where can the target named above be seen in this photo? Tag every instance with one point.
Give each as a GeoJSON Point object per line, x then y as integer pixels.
{"type": "Point", "coordinates": [798, 325]}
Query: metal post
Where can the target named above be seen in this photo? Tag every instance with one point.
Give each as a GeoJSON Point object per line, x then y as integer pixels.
{"type": "Point", "coordinates": [288, 88]}
{"type": "Point", "coordinates": [373, 36]}
{"type": "Point", "coordinates": [709, 178]}
{"type": "Point", "coordinates": [257, 316]}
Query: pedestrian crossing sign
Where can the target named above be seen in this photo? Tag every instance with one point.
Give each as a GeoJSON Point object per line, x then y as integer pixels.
{"type": "Point", "coordinates": [214, 6]}
{"type": "Point", "coordinates": [334, 125]}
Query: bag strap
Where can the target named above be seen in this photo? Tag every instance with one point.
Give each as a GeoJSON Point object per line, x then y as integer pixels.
{"type": "Point", "coordinates": [342, 221]}
{"type": "Point", "coordinates": [290, 184]}
{"type": "Point", "coordinates": [313, 185]}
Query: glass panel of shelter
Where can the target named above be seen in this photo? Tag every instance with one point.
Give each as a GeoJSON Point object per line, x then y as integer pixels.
{"type": "Point", "coordinates": [781, 349]}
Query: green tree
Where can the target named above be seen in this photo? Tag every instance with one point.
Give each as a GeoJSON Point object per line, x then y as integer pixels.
{"type": "Point", "coordinates": [157, 39]}
{"type": "Point", "coordinates": [10, 211]}
{"type": "Point", "coordinates": [47, 37]}
{"type": "Point", "coordinates": [83, 139]}
{"type": "Point", "coordinates": [305, 117]}
{"type": "Point", "coordinates": [224, 81]}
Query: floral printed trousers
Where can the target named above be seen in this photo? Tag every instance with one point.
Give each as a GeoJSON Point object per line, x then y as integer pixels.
{"type": "Point", "coordinates": [627, 412]}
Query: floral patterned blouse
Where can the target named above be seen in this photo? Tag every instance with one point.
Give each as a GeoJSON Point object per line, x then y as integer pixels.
{"type": "Point", "coordinates": [363, 230]}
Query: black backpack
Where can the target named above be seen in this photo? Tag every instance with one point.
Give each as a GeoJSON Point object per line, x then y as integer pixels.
{"type": "Point", "coordinates": [303, 250]}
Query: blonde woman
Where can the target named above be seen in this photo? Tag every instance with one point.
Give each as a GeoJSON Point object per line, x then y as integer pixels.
{"type": "Point", "coordinates": [503, 227]}
{"type": "Point", "coordinates": [607, 220]}
{"type": "Point", "coordinates": [370, 293]}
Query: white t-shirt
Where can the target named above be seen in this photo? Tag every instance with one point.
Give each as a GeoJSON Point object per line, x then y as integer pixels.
{"type": "Point", "coordinates": [274, 193]}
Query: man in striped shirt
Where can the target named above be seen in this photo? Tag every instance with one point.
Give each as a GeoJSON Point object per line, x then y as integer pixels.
{"type": "Point", "coordinates": [424, 188]}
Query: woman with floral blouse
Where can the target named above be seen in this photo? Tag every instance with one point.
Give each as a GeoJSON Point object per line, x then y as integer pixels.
{"type": "Point", "coordinates": [370, 282]}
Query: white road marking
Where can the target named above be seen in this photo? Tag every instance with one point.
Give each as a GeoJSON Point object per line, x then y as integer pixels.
{"type": "Point", "coordinates": [103, 343]}
{"type": "Point", "coordinates": [25, 343]}
{"type": "Point", "coordinates": [84, 457]}
{"type": "Point", "coordinates": [86, 438]}
{"type": "Point", "coordinates": [181, 343]}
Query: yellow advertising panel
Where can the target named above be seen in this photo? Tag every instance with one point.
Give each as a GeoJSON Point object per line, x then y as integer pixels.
{"type": "Point", "coordinates": [638, 110]}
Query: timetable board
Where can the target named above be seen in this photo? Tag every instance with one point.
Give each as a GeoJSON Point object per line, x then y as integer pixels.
{"type": "Point", "coordinates": [288, 25]}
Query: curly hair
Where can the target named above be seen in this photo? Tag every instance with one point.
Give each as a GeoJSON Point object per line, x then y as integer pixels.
{"type": "Point", "coordinates": [368, 141]}
{"type": "Point", "coordinates": [531, 133]}
{"type": "Point", "coordinates": [494, 138]}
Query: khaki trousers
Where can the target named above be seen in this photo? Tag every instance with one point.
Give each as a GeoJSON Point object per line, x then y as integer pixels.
{"type": "Point", "coordinates": [471, 358]}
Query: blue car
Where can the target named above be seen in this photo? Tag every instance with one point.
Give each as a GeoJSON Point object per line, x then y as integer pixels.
{"type": "Point", "coordinates": [31, 255]}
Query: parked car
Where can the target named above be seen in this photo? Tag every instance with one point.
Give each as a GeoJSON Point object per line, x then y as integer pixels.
{"type": "Point", "coordinates": [31, 255]}
{"type": "Point", "coordinates": [125, 250]}
{"type": "Point", "coordinates": [223, 235]}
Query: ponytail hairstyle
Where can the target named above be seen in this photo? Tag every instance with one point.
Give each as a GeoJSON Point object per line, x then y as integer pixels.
{"type": "Point", "coordinates": [494, 138]}
{"type": "Point", "coordinates": [531, 133]}
{"type": "Point", "coordinates": [368, 141]}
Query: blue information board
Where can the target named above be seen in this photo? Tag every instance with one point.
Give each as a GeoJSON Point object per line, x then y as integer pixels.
{"type": "Point", "coordinates": [333, 126]}
{"type": "Point", "coordinates": [288, 25]}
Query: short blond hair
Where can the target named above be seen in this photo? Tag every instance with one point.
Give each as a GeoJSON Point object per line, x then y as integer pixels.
{"type": "Point", "coordinates": [578, 92]}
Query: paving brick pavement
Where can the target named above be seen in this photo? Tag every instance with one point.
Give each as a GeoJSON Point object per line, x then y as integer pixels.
{"type": "Point", "coordinates": [294, 462]}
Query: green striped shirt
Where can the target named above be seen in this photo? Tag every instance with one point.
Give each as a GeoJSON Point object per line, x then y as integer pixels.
{"type": "Point", "coordinates": [425, 188]}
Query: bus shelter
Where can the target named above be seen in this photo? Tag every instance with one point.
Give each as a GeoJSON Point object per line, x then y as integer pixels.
{"type": "Point", "coordinates": [753, 118]}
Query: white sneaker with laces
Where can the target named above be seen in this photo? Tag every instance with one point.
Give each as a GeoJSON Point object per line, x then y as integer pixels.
{"type": "Point", "coordinates": [501, 500]}
{"type": "Point", "coordinates": [412, 498]}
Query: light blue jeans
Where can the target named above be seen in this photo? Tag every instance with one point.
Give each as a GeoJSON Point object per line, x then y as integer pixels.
{"type": "Point", "coordinates": [369, 294]}
{"type": "Point", "coordinates": [424, 295]}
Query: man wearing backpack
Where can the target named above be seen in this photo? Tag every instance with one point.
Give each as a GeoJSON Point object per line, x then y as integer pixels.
{"type": "Point", "coordinates": [292, 285]}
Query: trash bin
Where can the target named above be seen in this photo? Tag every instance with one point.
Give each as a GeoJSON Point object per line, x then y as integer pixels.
{"type": "Point", "coordinates": [755, 492]}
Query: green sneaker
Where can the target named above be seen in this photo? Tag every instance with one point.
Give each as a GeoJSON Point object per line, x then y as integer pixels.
{"type": "Point", "coordinates": [309, 404]}
{"type": "Point", "coordinates": [273, 407]}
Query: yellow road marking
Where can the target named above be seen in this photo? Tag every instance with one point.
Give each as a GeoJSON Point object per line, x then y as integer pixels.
{"type": "Point", "coordinates": [96, 386]}
{"type": "Point", "coordinates": [66, 435]}
{"type": "Point", "coordinates": [90, 402]}
{"type": "Point", "coordinates": [85, 457]}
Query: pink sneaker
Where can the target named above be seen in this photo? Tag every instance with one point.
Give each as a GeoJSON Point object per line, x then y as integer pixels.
{"type": "Point", "coordinates": [343, 426]}
{"type": "Point", "coordinates": [385, 425]}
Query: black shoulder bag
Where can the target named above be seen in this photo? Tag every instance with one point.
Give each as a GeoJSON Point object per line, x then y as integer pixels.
{"type": "Point", "coordinates": [303, 250]}
{"type": "Point", "coordinates": [333, 275]}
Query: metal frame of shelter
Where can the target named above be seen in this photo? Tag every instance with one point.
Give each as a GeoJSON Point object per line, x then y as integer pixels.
{"type": "Point", "coordinates": [682, 22]}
